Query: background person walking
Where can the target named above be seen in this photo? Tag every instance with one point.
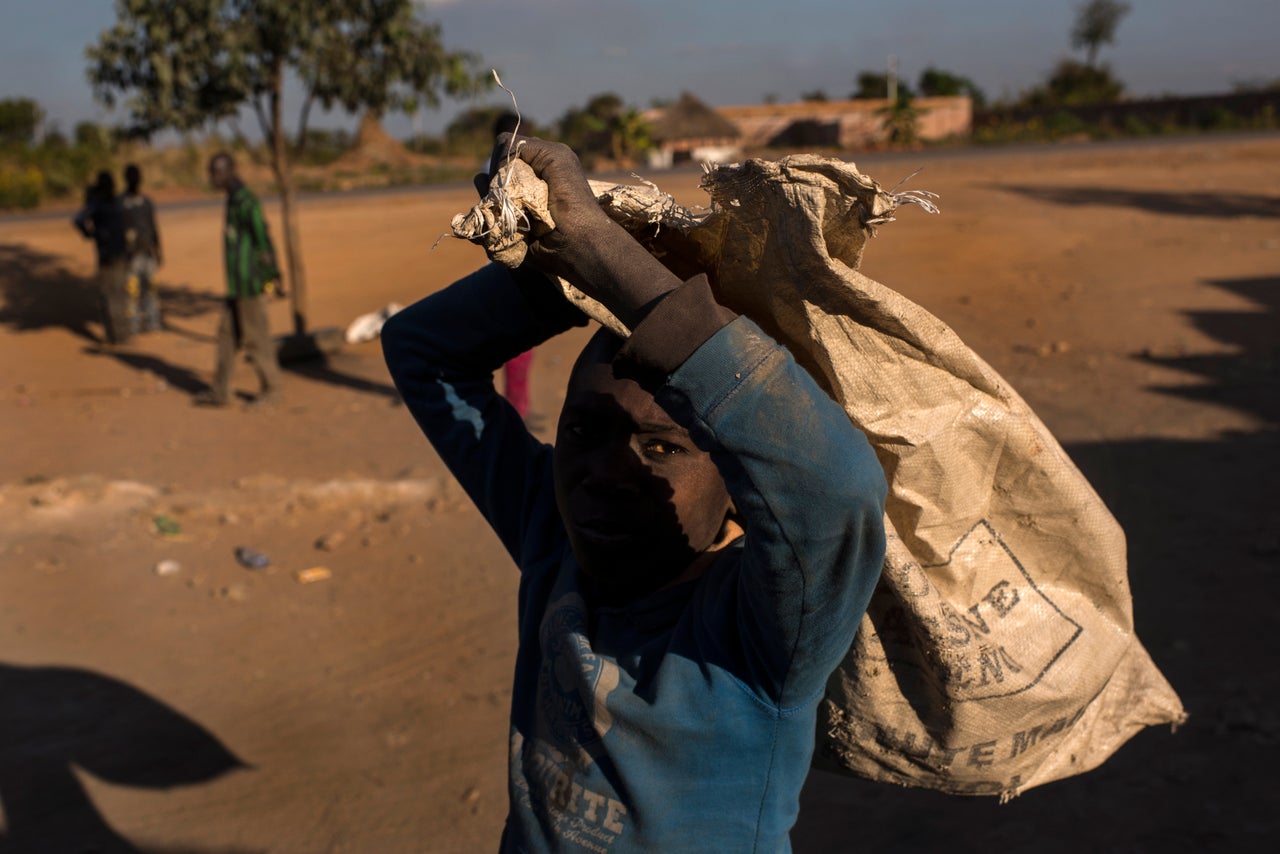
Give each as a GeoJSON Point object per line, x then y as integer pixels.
{"type": "Point", "coordinates": [252, 275]}
{"type": "Point", "coordinates": [142, 248]}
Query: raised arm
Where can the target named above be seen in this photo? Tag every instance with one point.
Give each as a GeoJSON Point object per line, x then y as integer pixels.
{"type": "Point", "coordinates": [442, 353]}
{"type": "Point", "coordinates": [804, 481]}
{"type": "Point", "coordinates": [805, 484]}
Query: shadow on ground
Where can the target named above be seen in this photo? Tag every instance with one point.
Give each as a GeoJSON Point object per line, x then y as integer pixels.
{"type": "Point", "coordinates": [39, 292]}
{"type": "Point", "coordinates": [1202, 520]}
{"type": "Point", "coordinates": [1217, 205]}
{"type": "Point", "coordinates": [54, 720]}
{"type": "Point", "coordinates": [340, 370]}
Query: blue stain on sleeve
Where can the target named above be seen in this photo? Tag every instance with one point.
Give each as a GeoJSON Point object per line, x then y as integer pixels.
{"type": "Point", "coordinates": [461, 410]}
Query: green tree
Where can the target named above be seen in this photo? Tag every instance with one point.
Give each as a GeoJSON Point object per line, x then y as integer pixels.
{"type": "Point", "coordinates": [874, 85]}
{"type": "Point", "coordinates": [935, 82]}
{"type": "Point", "coordinates": [475, 123]}
{"type": "Point", "coordinates": [1095, 25]}
{"type": "Point", "coordinates": [184, 64]}
{"type": "Point", "coordinates": [817, 96]}
{"type": "Point", "coordinates": [92, 136]}
{"type": "Point", "coordinates": [605, 126]}
{"type": "Point", "coordinates": [54, 139]}
{"type": "Point", "coordinates": [586, 129]}
{"type": "Point", "coordinates": [19, 119]}
{"type": "Point", "coordinates": [1073, 83]}
{"type": "Point", "coordinates": [471, 131]}
{"type": "Point", "coordinates": [630, 136]}
{"type": "Point", "coordinates": [901, 121]}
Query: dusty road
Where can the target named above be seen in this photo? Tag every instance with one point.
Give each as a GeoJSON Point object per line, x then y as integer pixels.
{"type": "Point", "coordinates": [1131, 295]}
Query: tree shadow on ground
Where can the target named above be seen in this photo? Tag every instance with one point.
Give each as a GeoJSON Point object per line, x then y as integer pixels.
{"type": "Point", "coordinates": [1216, 205]}
{"type": "Point", "coordinates": [336, 370]}
{"type": "Point", "coordinates": [54, 720]}
{"type": "Point", "coordinates": [1202, 520]}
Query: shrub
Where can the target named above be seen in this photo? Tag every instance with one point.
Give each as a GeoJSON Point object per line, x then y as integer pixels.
{"type": "Point", "coordinates": [20, 187]}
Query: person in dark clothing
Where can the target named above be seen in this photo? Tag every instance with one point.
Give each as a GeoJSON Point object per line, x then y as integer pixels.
{"type": "Point", "coordinates": [252, 277]}
{"type": "Point", "coordinates": [142, 247]}
{"type": "Point", "coordinates": [102, 221]}
{"type": "Point", "coordinates": [696, 551]}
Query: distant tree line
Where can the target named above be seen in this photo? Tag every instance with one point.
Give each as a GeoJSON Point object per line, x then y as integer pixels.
{"type": "Point", "coordinates": [604, 128]}
{"type": "Point", "coordinates": [184, 81]}
{"type": "Point", "coordinates": [39, 161]}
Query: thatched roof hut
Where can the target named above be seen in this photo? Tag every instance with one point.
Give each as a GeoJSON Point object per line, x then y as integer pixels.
{"type": "Point", "coordinates": [689, 118]}
{"type": "Point", "coordinates": [689, 130]}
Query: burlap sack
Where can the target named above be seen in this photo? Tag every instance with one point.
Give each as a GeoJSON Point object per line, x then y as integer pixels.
{"type": "Point", "coordinates": [998, 652]}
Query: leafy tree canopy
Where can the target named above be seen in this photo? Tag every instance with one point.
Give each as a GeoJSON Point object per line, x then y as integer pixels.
{"type": "Point", "coordinates": [875, 85]}
{"type": "Point", "coordinates": [19, 119]}
{"type": "Point", "coordinates": [183, 64]}
{"type": "Point", "coordinates": [605, 126]}
{"type": "Point", "coordinates": [935, 82]}
{"type": "Point", "coordinates": [1073, 83]}
{"type": "Point", "coordinates": [1095, 25]}
{"type": "Point", "coordinates": [586, 128]}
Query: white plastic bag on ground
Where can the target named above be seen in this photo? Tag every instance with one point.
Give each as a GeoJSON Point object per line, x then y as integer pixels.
{"type": "Point", "coordinates": [367, 327]}
{"type": "Point", "coordinates": [998, 652]}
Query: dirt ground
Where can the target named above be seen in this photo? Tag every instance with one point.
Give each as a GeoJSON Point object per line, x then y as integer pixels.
{"type": "Point", "coordinates": [1130, 293]}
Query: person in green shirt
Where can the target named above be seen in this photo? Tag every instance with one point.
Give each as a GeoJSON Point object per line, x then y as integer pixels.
{"type": "Point", "coordinates": [252, 276]}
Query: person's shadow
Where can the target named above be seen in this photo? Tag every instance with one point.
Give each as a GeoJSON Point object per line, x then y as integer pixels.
{"type": "Point", "coordinates": [38, 291]}
{"type": "Point", "coordinates": [56, 719]}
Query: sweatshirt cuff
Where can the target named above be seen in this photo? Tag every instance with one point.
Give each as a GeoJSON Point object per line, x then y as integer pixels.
{"type": "Point", "coordinates": [677, 326]}
{"type": "Point", "coordinates": [545, 300]}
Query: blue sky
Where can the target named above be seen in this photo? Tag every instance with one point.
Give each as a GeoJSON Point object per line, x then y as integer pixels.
{"type": "Point", "coordinates": [557, 53]}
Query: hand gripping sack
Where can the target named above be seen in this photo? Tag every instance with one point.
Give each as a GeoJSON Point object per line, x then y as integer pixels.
{"type": "Point", "coordinates": [998, 652]}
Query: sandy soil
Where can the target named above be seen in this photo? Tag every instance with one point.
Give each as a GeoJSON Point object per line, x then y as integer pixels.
{"type": "Point", "coordinates": [1131, 295]}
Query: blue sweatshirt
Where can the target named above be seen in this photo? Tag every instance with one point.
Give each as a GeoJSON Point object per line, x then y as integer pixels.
{"type": "Point", "coordinates": [683, 721]}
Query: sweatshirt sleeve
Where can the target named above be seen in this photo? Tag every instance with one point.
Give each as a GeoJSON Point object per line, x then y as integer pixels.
{"type": "Point", "coordinates": [804, 481]}
{"type": "Point", "coordinates": [442, 353]}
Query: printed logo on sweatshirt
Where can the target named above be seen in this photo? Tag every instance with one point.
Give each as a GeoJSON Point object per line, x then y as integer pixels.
{"type": "Point", "coordinates": [573, 682]}
{"type": "Point", "coordinates": [547, 784]}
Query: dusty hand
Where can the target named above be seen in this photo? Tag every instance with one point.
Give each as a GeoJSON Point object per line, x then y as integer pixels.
{"type": "Point", "coordinates": [586, 247]}
{"type": "Point", "coordinates": [579, 221]}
